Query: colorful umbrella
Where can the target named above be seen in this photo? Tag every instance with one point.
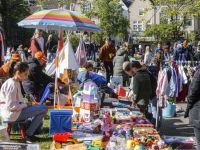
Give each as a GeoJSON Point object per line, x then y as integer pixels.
{"type": "Point", "coordinates": [52, 18]}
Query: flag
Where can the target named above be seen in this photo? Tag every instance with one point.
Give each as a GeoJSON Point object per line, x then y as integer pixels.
{"type": "Point", "coordinates": [58, 105]}
{"type": "Point", "coordinates": [69, 96]}
{"type": "Point", "coordinates": [65, 75]}
{"type": "Point", "coordinates": [60, 42]}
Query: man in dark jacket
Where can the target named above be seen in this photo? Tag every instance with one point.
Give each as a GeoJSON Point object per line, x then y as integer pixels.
{"type": "Point", "coordinates": [159, 49]}
{"type": "Point", "coordinates": [197, 54]}
{"type": "Point", "coordinates": [193, 106]}
{"type": "Point", "coordinates": [37, 80]}
{"type": "Point", "coordinates": [93, 49]}
{"type": "Point", "coordinates": [181, 53]}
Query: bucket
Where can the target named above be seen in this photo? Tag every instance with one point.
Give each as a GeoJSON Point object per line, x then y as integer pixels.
{"type": "Point", "coordinates": [169, 110]}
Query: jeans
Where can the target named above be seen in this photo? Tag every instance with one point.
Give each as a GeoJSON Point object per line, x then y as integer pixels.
{"type": "Point", "coordinates": [167, 55]}
{"type": "Point", "coordinates": [51, 57]}
{"type": "Point", "coordinates": [93, 56]}
{"type": "Point", "coordinates": [197, 135]}
{"type": "Point", "coordinates": [153, 105]}
{"type": "Point", "coordinates": [109, 70]}
{"type": "Point", "coordinates": [39, 111]}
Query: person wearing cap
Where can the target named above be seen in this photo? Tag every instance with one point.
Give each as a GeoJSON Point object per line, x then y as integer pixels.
{"type": "Point", "coordinates": [4, 68]}
{"type": "Point", "coordinates": [141, 84]}
{"type": "Point", "coordinates": [106, 57]}
{"type": "Point", "coordinates": [181, 53]}
{"type": "Point", "coordinates": [37, 80]}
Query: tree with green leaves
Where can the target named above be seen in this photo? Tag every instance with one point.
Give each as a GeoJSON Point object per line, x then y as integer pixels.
{"type": "Point", "coordinates": [174, 16]}
{"type": "Point", "coordinates": [12, 11]}
{"type": "Point", "coordinates": [112, 20]}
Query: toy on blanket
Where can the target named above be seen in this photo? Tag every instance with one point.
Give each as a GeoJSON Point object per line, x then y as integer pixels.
{"type": "Point", "coordinates": [107, 123]}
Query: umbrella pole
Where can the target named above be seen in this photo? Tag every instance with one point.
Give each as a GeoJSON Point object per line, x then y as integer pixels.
{"type": "Point", "coordinates": [56, 82]}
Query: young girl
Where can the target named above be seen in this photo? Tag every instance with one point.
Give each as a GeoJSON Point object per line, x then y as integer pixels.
{"type": "Point", "coordinates": [13, 108]}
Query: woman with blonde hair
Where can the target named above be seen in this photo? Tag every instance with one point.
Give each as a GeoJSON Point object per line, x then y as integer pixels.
{"type": "Point", "coordinates": [148, 56]}
{"type": "Point", "coordinates": [37, 43]}
{"type": "Point", "coordinates": [51, 47]}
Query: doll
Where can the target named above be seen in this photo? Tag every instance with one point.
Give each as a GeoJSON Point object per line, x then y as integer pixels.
{"type": "Point", "coordinates": [107, 120]}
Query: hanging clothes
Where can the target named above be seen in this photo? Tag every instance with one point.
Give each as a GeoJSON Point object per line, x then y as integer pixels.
{"type": "Point", "coordinates": [182, 77]}
{"type": "Point", "coordinates": [171, 89]}
{"type": "Point", "coordinates": [182, 94]}
{"type": "Point", "coordinates": [162, 88]}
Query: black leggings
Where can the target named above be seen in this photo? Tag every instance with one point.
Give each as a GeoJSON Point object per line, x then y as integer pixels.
{"type": "Point", "coordinates": [109, 70]}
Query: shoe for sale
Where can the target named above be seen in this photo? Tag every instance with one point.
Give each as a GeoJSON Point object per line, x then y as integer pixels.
{"type": "Point", "coordinates": [32, 138]}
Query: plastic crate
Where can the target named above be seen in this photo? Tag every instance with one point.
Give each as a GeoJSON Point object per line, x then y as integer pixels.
{"type": "Point", "coordinates": [179, 142]}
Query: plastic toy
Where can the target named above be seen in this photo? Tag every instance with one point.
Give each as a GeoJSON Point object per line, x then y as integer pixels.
{"type": "Point", "coordinates": [96, 145]}
{"type": "Point", "coordinates": [90, 92]}
{"type": "Point", "coordinates": [121, 91]}
{"type": "Point", "coordinates": [120, 133]}
{"type": "Point", "coordinates": [130, 143]}
{"type": "Point", "coordinates": [107, 120]}
{"type": "Point", "coordinates": [60, 138]}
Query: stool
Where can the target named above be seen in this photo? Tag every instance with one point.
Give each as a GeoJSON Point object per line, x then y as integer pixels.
{"type": "Point", "coordinates": [22, 129]}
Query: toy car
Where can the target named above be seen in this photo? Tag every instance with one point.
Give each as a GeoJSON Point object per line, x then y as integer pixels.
{"type": "Point", "coordinates": [60, 138]}
{"type": "Point", "coordinates": [96, 145]}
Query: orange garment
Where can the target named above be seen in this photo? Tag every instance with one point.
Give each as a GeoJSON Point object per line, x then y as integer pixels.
{"type": "Point", "coordinates": [4, 70]}
{"type": "Point", "coordinates": [166, 50]}
{"type": "Point", "coordinates": [105, 51]}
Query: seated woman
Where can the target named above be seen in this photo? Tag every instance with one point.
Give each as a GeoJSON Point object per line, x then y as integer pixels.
{"type": "Point", "coordinates": [83, 75]}
{"type": "Point", "coordinates": [13, 107]}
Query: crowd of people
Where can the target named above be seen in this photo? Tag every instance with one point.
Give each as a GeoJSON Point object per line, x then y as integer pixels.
{"type": "Point", "coordinates": [24, 74]}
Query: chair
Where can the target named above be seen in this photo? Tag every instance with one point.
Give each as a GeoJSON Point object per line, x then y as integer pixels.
{"type": "Point", "coordinates": [22, 129]}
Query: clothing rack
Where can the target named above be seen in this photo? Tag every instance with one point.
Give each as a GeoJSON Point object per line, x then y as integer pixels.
{"type": "Point", "coordinates": [177, 62]}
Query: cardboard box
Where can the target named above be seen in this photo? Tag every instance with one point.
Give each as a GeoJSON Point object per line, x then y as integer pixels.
{"type": "Point", "coordinates": [19, 146]}
{"type": "Point", "coordinates": [87, 115]}
{"type": "Point", "coordinates": [89, 106]}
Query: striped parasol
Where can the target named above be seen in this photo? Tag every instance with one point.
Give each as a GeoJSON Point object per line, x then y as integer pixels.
{"type": "Point", "coordinates": [53, 18]}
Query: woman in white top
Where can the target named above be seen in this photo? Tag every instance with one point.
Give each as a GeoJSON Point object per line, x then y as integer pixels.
{"type": "Point", "coordinates": [13, 107]}
{"type": "Point", "coordinates": [148, 56]}
{"type": "Point", "coordinates": [37, 43]}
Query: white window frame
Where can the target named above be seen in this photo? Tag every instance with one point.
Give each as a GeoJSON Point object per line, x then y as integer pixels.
{"type": "Point", "coordinates": [85, 7]}
{"type": "Point", "coordinates": [188, 18]}
{"type": "Point", "coordinates": [136, 23]}
{"type": "Point", "coordinates": [142, 10]}
{"type": "Point", "coordinates": [72, 6]}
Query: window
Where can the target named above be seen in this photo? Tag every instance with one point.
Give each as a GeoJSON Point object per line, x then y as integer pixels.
{"type": "Point", "coordinates": [141, 11]}
{"type": "Point", "coordinates": [173, 17]}
{"type": "Point", "coordinates": [163, 18]}
{"type": "Point", "coordinates": [188, 21]}
{"type": "Point", "coordinates": [86, 7]}
{"type": "Point", "coordinates": [72, 6]}
{"type": "Point", "coordinates": [137, 25]}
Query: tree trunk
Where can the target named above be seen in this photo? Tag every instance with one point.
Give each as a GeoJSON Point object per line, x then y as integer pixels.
{"type": "Point", "coordinates": [6, 30]}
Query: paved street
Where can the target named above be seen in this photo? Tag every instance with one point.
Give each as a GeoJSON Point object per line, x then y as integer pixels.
{"type": "Point", "coordinates": [177, 126]}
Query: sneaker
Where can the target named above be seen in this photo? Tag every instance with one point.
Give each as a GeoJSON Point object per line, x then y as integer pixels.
{"type": "Point", "coordinates": [31, 139]}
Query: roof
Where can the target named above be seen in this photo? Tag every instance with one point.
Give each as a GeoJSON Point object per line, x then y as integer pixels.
{"type": "Point", "coordinates": [127, 3]}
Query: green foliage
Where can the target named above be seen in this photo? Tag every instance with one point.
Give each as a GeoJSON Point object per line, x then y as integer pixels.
{"type": "Point", "coordinates": [172, 22]}
{"type": "Point", "coordinates": [60, 2]}
{"type": "Point", "coordinates": [74, 40]}
{"type": "Point", "coordinates": [11, 13]}
{"type": "Point", "coordinates": [112, 20]}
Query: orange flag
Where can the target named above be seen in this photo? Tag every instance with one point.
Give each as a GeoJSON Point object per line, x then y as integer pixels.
{"type": "Point", "coordinates": [56, 62]}
{"type": "Point", "coordinates": [58, 105]}
{"type": "Point", "coordinates": [60, 42]}
{"type": "Point", "coordinates": [69, 96]}
{"type": "Point", "coordinates": [65, 75]}
{"type": "Point", "coordinates": [63, 56]}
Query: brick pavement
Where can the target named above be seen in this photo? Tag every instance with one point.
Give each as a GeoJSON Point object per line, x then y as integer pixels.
{"type": "Point", "coordinates": [177, 126]}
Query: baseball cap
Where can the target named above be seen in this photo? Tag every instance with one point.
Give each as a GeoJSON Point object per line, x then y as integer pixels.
{"type": "Point", "coordinates": [16, 57]}
{"type": "Point", "coordinates": [41, 55]}
{"type": "Point", "coordinates": [180, 42]}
